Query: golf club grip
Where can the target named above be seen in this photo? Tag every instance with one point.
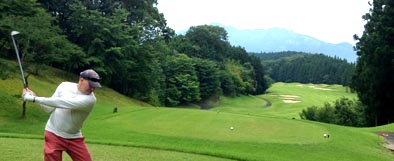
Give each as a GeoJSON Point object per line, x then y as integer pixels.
{"type": "Point", "coordinates": [24, 109]}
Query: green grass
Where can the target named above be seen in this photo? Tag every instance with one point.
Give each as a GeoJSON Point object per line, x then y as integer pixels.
{"type": "Point", "coordinates": [31, 151]}
{"type": "Point", "coordinates": [307, 94]}
{"type": "Point", "coordinates": [141, 132]}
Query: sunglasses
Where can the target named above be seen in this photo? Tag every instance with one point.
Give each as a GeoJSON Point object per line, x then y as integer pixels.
{"type": "Point", "coordinates": [92, 79]}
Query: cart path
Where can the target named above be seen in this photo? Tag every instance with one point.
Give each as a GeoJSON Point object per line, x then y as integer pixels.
{"type": "Point", "coordinates": [268, 102]}
{"type": "Point", "coordinates": [388, 139]}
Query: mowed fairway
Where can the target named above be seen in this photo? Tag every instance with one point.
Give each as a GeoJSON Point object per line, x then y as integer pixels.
{"type": "Point", "coordinates": [140, 132]}
{"type": "Point", "coordinates": [286, 99]}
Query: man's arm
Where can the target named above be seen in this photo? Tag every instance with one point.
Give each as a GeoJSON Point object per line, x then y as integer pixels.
{"type": "Point", "coordinates": [80, 102]}
{"type": "Point", "coordinates": [47, 109]}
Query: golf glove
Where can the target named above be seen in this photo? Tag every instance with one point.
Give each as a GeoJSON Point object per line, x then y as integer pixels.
{"type": "Point", "coordinates": [29, 97]}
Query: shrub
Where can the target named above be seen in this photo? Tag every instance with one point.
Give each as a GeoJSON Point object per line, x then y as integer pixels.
{"type": "Point", "coordinates": [344, 112]}
{"type": "Point", "coordinates": [309, 113]}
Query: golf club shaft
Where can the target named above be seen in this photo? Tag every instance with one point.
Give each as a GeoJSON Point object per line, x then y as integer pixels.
{"type": "Point", "coordinates": [19, 62]}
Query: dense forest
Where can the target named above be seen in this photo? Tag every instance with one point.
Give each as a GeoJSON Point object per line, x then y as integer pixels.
{"type": "Point", "coordinates": [129, 44]}
{"type": "Point", "coordinates": [307, 68]}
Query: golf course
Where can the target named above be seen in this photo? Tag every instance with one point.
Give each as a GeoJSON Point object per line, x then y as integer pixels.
{"type": "Point", "coordinates": [252, 128]}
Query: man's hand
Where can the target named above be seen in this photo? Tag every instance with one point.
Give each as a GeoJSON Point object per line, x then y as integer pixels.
{"type": "Point", "coordinates": [28, 95]}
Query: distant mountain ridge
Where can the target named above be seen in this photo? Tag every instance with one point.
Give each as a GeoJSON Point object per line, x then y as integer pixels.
{"type": "Point", "coordinates": [277, 40]}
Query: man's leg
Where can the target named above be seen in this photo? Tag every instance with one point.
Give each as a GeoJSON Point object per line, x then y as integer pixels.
{"type": "Point", "coordinates": [53, 147]}
{"type": "Point", "coordinates": [78, 150]}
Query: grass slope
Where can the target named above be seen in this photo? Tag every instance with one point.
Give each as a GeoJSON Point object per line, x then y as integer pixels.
{"type": "Point", "coordinates": [139, 131]}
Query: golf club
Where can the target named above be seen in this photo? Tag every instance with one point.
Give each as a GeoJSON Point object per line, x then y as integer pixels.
{"type": "Point", "coordinates": [20, 67]}
{"type": "Point", "coordinates": [17, 55]}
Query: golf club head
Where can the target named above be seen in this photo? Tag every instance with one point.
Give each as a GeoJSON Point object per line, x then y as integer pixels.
{"type": "Point", "coordinates": [14, 33]}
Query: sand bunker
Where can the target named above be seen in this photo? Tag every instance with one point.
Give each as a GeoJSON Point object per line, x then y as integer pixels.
{"type": "Point", "coordinates": [320, 88]}
{"type": "Point", "coordinates": [324, 89]}
{"type": "Point", "coordinates": [289, 98]}
{"type": "Point", "coordinates": [290, 101]}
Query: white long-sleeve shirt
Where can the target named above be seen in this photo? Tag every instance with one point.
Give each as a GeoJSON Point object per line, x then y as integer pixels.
{"type": "Point", "coordinates": [69, 108]}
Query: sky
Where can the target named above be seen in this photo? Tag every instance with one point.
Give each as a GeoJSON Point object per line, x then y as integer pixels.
{"type": "Point", "coordinates": [332, 21]}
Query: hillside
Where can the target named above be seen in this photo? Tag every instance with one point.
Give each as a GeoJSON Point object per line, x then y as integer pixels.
{"type": "Point", "coordinates": [44, 83]}
{"type": "Point", "coordinates": [307, 68]}
{"type": "Point", "coordinates": [139, 131]}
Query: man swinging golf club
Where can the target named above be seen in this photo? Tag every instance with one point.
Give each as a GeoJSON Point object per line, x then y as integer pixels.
{"type": "Point", "coordinates": [69, 106]}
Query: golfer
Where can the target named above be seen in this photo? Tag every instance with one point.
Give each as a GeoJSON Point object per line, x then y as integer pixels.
{"type": "Point", "coordinates": [69, 106]}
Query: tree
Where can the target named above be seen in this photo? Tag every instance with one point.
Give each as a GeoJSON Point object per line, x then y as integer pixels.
{"type": "Point", "coordinates": [259, 83]}
{"type": "Point", "coordinates": [39, 42]}
{"type": "Point", "coordinates": [123, 41]}
{"type": "Point", "coordinates": [307, 68]}
{"type": "Point", "coordinates": [262, 82]}
{"type": "Point", "coordinates": [209, 42]}
{"type": "Point", "coordinates": [182, 84]}
{"type": "Point", "coordinates": [236, 79]}
{"type": "Point", "coordinates": [373, 78]}
{"type": "Point", "coordinates": [207, 73]}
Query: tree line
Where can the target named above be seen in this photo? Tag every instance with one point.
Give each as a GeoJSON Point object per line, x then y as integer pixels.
{"type": "Point", "coordinates": [290, 66]}
{"type": "Point", "coordinates": [130, 45]}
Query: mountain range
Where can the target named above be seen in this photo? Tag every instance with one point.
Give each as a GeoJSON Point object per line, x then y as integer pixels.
{"type": "Point", "coordinates": [278, 39]}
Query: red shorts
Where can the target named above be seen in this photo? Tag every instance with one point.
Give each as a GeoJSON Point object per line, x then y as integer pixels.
{"type": "Point", "coordinates": [55, 145]}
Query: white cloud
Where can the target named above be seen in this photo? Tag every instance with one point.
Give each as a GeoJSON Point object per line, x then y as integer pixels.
{"type": "Point", "coordinates": [332, 21]}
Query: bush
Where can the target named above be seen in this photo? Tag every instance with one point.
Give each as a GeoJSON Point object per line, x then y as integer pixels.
{"type": "Point", "coordinates": [309, 113]}
{"type": "Point", "coordinates": [344, 112]}
{"type": "Point", "coordinates": [325, 114]}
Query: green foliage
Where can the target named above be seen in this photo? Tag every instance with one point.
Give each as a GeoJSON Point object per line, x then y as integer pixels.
{"type": "Point", "coordinates": [307, 68]}
{"type": "Point", "coordinates": [228, 83]}
{"type": "Point", "coordinates": [263, 81]}
{"type": "Point", "coordinates": [208, 77]}
{"type": "Point", "coordinates": [237, 79]}
{"type": "Point", "coordinates": [343, 112]}
{"type": "Point", "coordinates": [181, 80]}
{"type": "Point", "coordinates": [122, 41]}
{"type": "Point", "coordinates": [39, 41]}
{"type": "Point", "coordinates": [5, 70]}
{"type": "Point", "coordinates": [246, 76]}
{"type": "Point", "coordinates": [230, 78]}
{"type": "Point", "coordinates": [210, 41]}
{"type": "Point", "coordinates": [373, 78]}
{"type": "Point", "coordinates": [310, 113]}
